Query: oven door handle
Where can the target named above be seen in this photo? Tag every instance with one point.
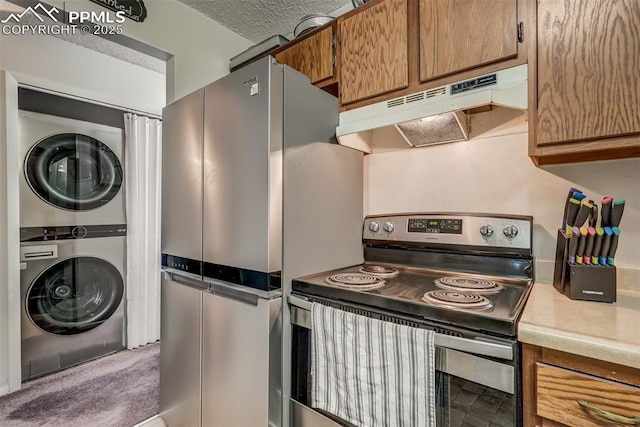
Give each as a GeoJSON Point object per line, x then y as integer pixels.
{"type": "Point", "coordinates": [301, 316]}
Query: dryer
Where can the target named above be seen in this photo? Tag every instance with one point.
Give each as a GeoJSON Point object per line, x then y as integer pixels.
{"type": "Point", "coordinates": [72, 292]}
{"type": "Point", "coordinates": [72, 172]}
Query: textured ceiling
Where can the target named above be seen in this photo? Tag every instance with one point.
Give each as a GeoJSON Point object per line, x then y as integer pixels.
{"type": "Point", "coordinates": [257, 20]}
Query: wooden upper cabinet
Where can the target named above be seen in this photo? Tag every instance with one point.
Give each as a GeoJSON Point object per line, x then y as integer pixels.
{"type": "Point", "coordinates": [588, 83]}
{"type": "Point", "coordinates": [373, 50]}
{"type": "Point", "coordinates": [457, 35]}
{"type": "Point", "coordinates": [313, 56]}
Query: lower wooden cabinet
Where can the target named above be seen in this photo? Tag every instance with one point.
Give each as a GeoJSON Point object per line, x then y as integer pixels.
{"type": "Point", "coordinates": [562, 389]}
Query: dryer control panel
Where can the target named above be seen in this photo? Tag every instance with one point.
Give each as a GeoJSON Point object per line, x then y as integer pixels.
{"type": "Point", "coordinates": [41, 234]}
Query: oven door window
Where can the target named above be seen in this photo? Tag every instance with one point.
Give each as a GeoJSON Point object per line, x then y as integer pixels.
{"type": "Point", "coordinates": [472, 390]}
{"type": "Point", "coordinates": [461, 402]}
{"type": "Point", "coordinates": [74, 172]}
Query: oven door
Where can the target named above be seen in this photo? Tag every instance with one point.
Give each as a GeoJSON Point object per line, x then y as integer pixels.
{"type": "Point", "coordinates": [477, 380]}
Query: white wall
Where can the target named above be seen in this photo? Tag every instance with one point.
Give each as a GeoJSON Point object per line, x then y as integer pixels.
{"type": "Point", "coordinates": [58, 65]}
{"type": "Point", "coordinates": [10, 374]}
{"type": "Point", "coordinates": [201, 47]}
{"type": "Point", "coordinates": [494, 174]}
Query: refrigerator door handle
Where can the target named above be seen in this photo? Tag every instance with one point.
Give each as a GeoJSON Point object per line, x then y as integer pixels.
{"type": "Point", "coordinates": [236, 295]}
{"type": "Point", "coordinates": [185, 280]}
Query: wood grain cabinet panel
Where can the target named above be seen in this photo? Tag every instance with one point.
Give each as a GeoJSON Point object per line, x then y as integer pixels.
{"type": "Point", "coordinates": [373, 51]}
{"type": "Point", "coordinates": [554, 382]}
{"type": "Point", "coordinates": [457, 35]}
{"type": "Point", "coordinates": [312, 56]}
{"type": "Point", "coordinates": [587, 98]}
{"type": "Point", "coordinates": [559, 392]}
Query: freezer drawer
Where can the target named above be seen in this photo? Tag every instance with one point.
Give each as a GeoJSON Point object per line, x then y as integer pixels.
{"type": "Point", "coordinates": [241, 348]}
{"type": "Point", "coordinates": [181, 319]}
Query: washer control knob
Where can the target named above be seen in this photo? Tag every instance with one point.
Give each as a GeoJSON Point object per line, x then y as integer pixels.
{"type": "Point", "coordinates": [374, 226]}
{"type": "Point", "coordinates": [388, 227]}
{"type": "Point", "coordinates": [510, 231]}
{"type": "Point", "coordinates": [79, 232]}
{"type": "Point", "coordinates": [486, 230]}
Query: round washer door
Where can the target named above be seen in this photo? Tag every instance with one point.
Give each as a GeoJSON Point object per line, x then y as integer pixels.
{"type": "Point", "coordinates": [73, 171]}
{"type": "Point", "coordinates": [75, 295]}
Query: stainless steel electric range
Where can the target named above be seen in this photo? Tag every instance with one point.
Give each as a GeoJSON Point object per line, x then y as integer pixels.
{"type": "Point", "coordinates": [465, 276]}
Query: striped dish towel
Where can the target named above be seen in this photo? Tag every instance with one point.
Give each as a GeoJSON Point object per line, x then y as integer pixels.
{"type": "Point", "coordinates": [372, 373]}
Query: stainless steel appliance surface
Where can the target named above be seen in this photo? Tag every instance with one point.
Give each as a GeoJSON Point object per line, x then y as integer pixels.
{"type": "Point", "coordinates": [242, 362]}
{"type": "Point", "coordinates": [72, 172]}
{"type": "Point", "coordinates": [239, 157]}
{"type": "Point", "coordinates": [465, 276]}
{"type": "Point", "coordinates": [180, 355]}
{"type": "Point", "coordinates": [72, 295]}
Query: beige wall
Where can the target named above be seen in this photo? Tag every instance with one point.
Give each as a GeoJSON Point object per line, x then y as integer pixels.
{"type": "Point", "coordinates": [494, 174]}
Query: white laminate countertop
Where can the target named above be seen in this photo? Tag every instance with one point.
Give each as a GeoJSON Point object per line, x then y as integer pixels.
{"type": "Point", "coordinates": [609, 332]}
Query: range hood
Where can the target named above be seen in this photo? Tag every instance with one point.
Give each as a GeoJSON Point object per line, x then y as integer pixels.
{"type": "Point", "coordinates": [433, 116]}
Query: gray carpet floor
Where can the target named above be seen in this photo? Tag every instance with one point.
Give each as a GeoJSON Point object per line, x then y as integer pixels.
{"type": "Point", "coordinates": [119, 390]}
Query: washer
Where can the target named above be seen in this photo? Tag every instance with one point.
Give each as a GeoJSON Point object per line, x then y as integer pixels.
{"type": "Point", "coordinates": [72, 172]}
{"type": "Point", "coordinates": [72, 291]}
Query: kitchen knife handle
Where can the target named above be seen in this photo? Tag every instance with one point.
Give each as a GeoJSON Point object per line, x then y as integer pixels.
{"type": "Point", "coordinates": [566, 207]}
{"type": "Point", "coordinates": [583, 213]}
{"type": "Point", "coordinates": [593, 216]}
{"type": "Point", "coordinates": [613, 246]}
{"type": "Point", "coordinates": [591, 237]}
{"type": "Point", "coordinates": [617, 209]}
{"type": "Point", "coordinates": [606, 242]}
{"type": "Point", "coordinates": [573, 244]}
{"type": "Point", "coordinates": [572, 211]}
{"type": "Point", "coordinates": [605, 212]}
{"type": "Point", "coordinates": [597, 245]}
{"type": "Point", "coordinates": [582, 243]}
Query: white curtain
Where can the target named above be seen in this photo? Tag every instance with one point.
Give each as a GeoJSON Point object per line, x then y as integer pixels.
{"type": "Point", "coordinates": [143, 161]}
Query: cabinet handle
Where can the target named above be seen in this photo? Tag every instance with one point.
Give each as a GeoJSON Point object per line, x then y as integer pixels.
{"type": "Point", "coordinates": [608, 415]}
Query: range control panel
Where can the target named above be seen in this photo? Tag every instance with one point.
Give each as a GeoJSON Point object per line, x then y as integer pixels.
{"type": "Point", "coordinates": [452, 229]}
{"type": "Point", "coordinates": [434, 225]}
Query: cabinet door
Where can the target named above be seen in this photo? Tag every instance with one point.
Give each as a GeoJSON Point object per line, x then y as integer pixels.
{"type": "Point", "coordinates": [312, 56]}
{"type": "Point", "coordinates": [373, 51]}
{"type": "Point", "coordinates": [456, 35]}
{"type": "Point", "coordinates": [588, 61]}
{"type": "Point", "coordinates": [576, 399]}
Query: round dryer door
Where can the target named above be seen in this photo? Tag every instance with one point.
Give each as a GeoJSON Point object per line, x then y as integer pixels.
{"type": "Point", "coordinates": [73, 171]}
{"type": "Point", "coordinates": [75, 295]}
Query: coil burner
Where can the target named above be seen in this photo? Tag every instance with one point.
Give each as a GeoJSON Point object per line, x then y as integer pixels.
{"type": "Point", "coordinates": [468, 284]}
{"type": "Point", "coordinates": [359, 281]}
{"type": "Point", "coordinates": [379, 270]}
{"type": "Point", "coordinates": [456, 299]}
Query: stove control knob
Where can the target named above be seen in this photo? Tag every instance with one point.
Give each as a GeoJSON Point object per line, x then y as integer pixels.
{"type": "Point", "coordinates": [486, 230]}
{"type": "Point", "coordinates": [388, 227]}
{"type": "Point", "coordinates": [374, 227]}
{"type": "Point", "coordinates": [510, 231]}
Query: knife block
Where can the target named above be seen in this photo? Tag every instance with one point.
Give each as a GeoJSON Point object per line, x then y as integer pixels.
{"type": "Point", "coordinates": [582, 281]}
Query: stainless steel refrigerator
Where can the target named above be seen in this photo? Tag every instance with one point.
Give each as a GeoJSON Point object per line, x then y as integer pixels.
{"type": "Point", "coordinates": [249, 162]}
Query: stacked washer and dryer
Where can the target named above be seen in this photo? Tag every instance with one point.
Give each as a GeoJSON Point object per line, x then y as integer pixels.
{"type": "Point", "coordinates": [73, 242]}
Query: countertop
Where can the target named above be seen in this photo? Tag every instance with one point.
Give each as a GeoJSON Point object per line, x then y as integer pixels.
{"type": "Point", "coordinates": [609, 332]}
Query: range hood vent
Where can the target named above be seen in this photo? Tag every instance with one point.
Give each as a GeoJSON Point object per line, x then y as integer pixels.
{"type": "Point", "coordinates": [434, 116]}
